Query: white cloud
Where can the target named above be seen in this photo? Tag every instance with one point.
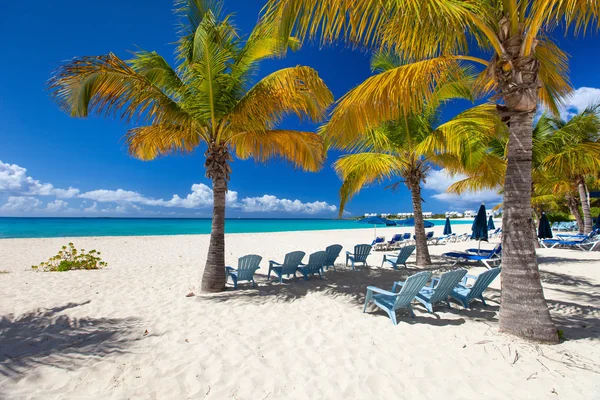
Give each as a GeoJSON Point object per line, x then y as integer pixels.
{"type": "Point", "coordinates": [440, 180]}
{"type": "Point", "coordinates": [578, 101]}
{"type": "Point", "coordinates": [19, 204]}
{"type": "Point", "coordinates": [269, 203]}
{"type": "Point", "coordinates": [57, 205]}
{"type": "Point", "coordinates": [14, 179]}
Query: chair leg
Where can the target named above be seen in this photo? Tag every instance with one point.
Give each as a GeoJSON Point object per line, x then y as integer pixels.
{"type": "Point", "coordinates": [253, 283]}
{"type": "Point", "coordinates": [367, 300]}
{"type": "Point", "coordinates": [234, 279]}
{"type": "Point", "coordinates": [392, 315]}
{"type": "Point", "coordinates": [483, 301]}
{"type": "Point", "coordinates": [269, 273]}
{"type": "Point", "coordinates": [280, 278]}
{"type": "Point", "coordinates": [410, 310]}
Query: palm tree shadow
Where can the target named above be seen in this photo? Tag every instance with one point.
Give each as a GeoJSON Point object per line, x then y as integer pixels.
{"type": "Point", "coordinates": [45, 337]}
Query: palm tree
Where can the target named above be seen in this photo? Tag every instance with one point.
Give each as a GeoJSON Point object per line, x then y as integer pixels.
{"type": "Point", "coordinates": [526, 67]}
{"type": "Point", "coordinates": [408, 147]}
{"type": "Point", "coordinates": [206, 100]}
{"type": "Point", "coordinates": [574, 149]}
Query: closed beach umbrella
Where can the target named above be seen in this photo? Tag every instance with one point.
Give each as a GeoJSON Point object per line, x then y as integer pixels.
{"type": "Point", "coordinates": [490, 225]}
{"type": "Point", "coordinates": [480, 231]}
{"type": "Point", "coordinates": [447, 227]}
{"type": "Point", "coordinates": [411, 222]}
{"type": "Point", "coordinates": [544, 230]}
{"type": "Point", "coordinates": [377, 221]}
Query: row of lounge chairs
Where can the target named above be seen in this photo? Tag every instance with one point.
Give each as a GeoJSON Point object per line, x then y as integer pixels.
{"type": "Point", "coordinates": [453, 284]}
{"type": "Point", "coordinates": [399, 240]}
{"type": "Point", "coordinates": [565, 226]}
{"type": "Point", "coordinates": [587, 242]}
{"type": "Point", "coordinates": [486, 257]}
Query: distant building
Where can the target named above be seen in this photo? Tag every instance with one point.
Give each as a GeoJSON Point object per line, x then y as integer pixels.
{"type": "Point", "coordinates": [405, 215]}
{"type": "Point", "coordinates": [470, 213]}
{"type": "Point", "coordinates": [427, 214]}
{"type": "Point", "coordinates": [453, 214]}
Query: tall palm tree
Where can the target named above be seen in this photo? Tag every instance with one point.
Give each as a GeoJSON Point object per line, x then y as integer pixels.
{"type": "Point", "coordinates": [206, 100]}
{"type": "Point", "coordinates": [526, 67]}
{"type": "Point", "coordinates": [407, 148]}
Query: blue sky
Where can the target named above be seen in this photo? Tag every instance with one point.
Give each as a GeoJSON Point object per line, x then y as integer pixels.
{"type": "Point", "coordinates": [52, 165]}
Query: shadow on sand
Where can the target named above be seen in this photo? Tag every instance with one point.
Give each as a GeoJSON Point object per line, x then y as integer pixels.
{"type": "Point", "coordinates": [45, 337]}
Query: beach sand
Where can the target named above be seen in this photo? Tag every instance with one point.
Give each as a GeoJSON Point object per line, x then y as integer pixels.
{"type": "Point", "coordinates": [129, 331]}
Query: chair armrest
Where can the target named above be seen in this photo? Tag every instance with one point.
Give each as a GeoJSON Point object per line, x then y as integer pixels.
{"type": "Point", "coordinates": [271, 263]}
{"type": "Point", "coordinates": [377, 290]}
{"type": "Point", "coordinates": [230, 268]}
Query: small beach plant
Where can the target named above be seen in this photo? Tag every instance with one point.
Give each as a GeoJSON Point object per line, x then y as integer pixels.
{"type": "Point", "coordinates": [210, 100]}
{"type": "Point", "coordinates": [69, 258]}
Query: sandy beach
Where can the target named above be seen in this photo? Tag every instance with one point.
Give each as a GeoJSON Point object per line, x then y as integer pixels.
{"type": "Point", "coordinates": [129, 331]}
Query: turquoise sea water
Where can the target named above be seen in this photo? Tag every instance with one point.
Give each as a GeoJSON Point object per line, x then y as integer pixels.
{"type": "Point", "coordinates": [71, 227]}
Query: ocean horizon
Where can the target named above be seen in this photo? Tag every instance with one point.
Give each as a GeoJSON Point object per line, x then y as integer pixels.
{"type": "Point", "coordinates": [49, 227]}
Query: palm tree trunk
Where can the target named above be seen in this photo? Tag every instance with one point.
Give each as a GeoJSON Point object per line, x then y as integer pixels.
{"type": "Point", "coordinates": [574, 209]}
{"type": "Point", "coordinates": [585, 205]}
{"type": "Point", "coordinates": [423, 257]}
{"type": "Point", "coordinates": [217, 169]}
{"type": "Point", "coordinates": [523, 310]}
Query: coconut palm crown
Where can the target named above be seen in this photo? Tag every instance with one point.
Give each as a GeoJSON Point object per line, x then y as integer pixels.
{"type": "Point", "coordinates": [206, 100]}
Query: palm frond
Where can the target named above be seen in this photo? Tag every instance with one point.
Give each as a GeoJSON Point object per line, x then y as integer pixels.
{"type": "Point", "coordinates": [304, 150]}
{"type": "Point", "coordinates": [106, 85]}
{"type": "Point", "coordinates": [360, 169]}
{"type": "Point", "coordinates": [298, 91]}
{"type": "Point", "coordinates": [387, 96]}
{"type": "Point", "coordinates": [155, 68]}
{"type": "Point", "coordinates": [554, 75]}
{"type": "Point", "coordinates": [150, 142]}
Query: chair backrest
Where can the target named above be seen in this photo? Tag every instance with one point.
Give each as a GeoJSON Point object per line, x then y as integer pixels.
{"type": "Point", "coordinates": [496, 252]}
{"type": "Point", "coordinates": [447, 282]}
{"type": "Point", "coordinates": [410, 288]}
{"type": "Point", "coordinates": [483, 281]}
{"type": "Point", "coordinates": [291, 262]}
{"type": "Point", "coordinates": [247, 265]}
{"type": "Point", "coordinates": [406, 236]}
{"type": "Point", "coordinates": [316, 261]}
{"type": "Point", "coordinates": [396, 238]}
{"type": "Point", "coordinates": [404, 253]}
{"type": "Point", "coordinates": [361, 252]}
{"type": "Point", "coordinates": [429, 235]}
{"type": "Point", "coordinates": [378, 239]}
{"type": "Point", "coordinates": [333, 252]}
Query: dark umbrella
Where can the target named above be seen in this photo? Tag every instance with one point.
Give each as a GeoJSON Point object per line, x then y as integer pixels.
{"type": "Point", "coordinates": [447, 227]}
{"type": "Point", "coordinates": [490, 225]}
{"type": "Point", "coordinates": [597, 226]}
{"type": "Point", "coordinates": [544, 230]}
{"type": "Point", "coordinates": [411, 222]}
{"type": "Point", "coordinates": [377, 221]}
{"type": "Point", "coordinates": [480, 231]}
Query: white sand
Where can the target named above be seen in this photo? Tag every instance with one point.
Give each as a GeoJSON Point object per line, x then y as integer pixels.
{"type": "Point", "coordinates": [80, 334]}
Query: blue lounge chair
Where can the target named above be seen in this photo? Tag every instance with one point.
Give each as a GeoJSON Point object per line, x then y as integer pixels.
{"type": "Point", "coordinates": [315, 264]}
{"type": "Point", "coordinates": [392, 301]}
{"type": "Point", "coordinates": [399, 258]}
{"type": "Point", "coordinates": [466, 294]}
{"type": "Point", "coordinates": [396, 240]}
{"type": "Point", "coordinates": [486, 259]}
{"type": "Point", "coordinates": [484, 252]}
{"type": "Point", "coordinates": [440, 289]}
{"type": "Point", "coordinates": [247, 266]}
{"type": "Point", "coordinates": [378, 243]}
{"type": "Point", "coordinates": [333, 252]}
{"type": "Point", "coordinates": [406, 236]}
{"type": "Point", "coordinates": [288, 267]}
{"type": "Point", "coordinates": [361, 252]}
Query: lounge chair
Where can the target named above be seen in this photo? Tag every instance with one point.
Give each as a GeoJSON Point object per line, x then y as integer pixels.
{"type": "Point", "coordinates": [315, 264]}
{"type": "Point", "coordinates": [442, 239]}
{"type": "Point", "coordinates": [485, 259]}
{"type": "Point", "coordinates": [288, 267]}
{"type": "Point", "coordinates": [398, 259]}
{"type": "Point", "coordinates": [584, 242]}
{"type": "Point", "coordinates": [378, 243]}
{"type": "Point", "coordinates": [392, 301]}
{"type": "Point", "coordinates": [247, 266]}
{"type": "Point", "coordinates": [440, 288]}
{"type": "Point", "coordinates": [466, 294]}
{"type": "Point", "coordinates": [361, 252]}
{"type": "Point", "coordinates": [483, 252]}
{"type": "Point", "coordinates": [396, 240]}
{"type": "Point", "coordinates": [333, 252]}
{"type": "Point", "coordinates": [428, 236]}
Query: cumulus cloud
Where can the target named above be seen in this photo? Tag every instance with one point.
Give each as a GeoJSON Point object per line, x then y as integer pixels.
{"type": "Point", "coordinates": [578, 101]}
{"type": "Point", "coordinates": [440, 180]}
{"type": "Point", "coordinates": [20, 204]}
{"type": "Point", "coordinates": [57, 205]}
{"type": "Point", "coordinates": [14, 179]}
